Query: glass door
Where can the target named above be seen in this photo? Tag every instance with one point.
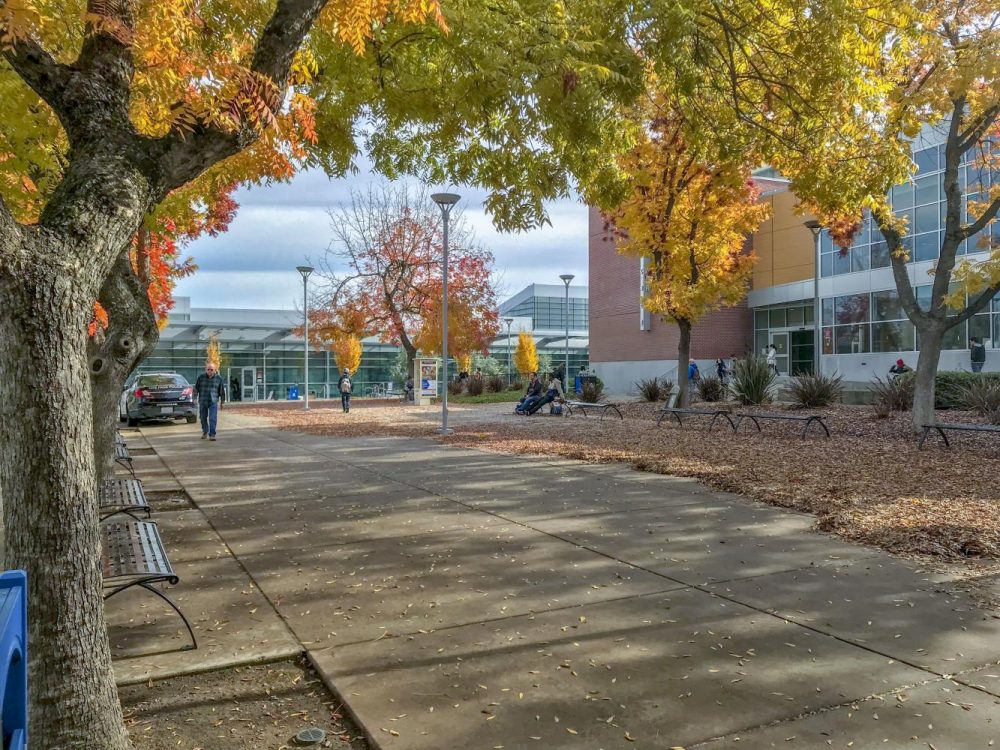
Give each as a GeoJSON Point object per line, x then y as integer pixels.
{"type": "Point", "coordinates": [780, 342]}
{"type": "Point", "coordinates": [249, 387]}
{"type": "Point", "coordinates": [802, 352]}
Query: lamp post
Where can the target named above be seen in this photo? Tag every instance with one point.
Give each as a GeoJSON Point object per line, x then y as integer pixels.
{"type": "Point", "coordinates": [508, 321]}
{"type": "Point", "coordinates": [305, 271]}
{"type": "Point", "coordinates": [446, 202]}
{"type": "Point", "coordinates": [815, 227]}
{"type": "Point", "coordinates": [566, 277]}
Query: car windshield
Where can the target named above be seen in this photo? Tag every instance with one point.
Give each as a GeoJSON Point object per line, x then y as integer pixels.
{"type": "Point", "coordinates": [162, 381]}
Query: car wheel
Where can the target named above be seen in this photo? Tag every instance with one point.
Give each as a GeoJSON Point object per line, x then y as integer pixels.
{"type": "Point", "coordinates": [133, 422]}
{"type": "Point", "coordinates": [191, 420]}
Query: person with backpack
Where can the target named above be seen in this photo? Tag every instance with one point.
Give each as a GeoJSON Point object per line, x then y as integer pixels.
{"type": "Point", "coordinates": [977, 354]}
{"type": "Point", "coordinates": [344, 386]}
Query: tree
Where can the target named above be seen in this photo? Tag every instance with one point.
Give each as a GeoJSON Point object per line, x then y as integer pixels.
{"type": "Point", "coordinates": [110, 110]}
{"type": "Point", "coordinates": [946, 79]}
{"type": "Point", "coordinates": [525, 354]}
{"type": "Point", "coordinates": [212, 352]}
{"type": "Point", "coordinates": [389, 242]}
{"type": "Point", "coordinates": [347, 350]}
{"type": "Point", "coordinates": [688, 214]}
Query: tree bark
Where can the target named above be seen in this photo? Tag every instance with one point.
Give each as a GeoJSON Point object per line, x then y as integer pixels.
{"type": "Point", "coordinates": [50, 504]}
{"type": "Point", "coordinates": [131, 336]}
{"type": "Point", "coordinates": [931, 338]}
{"type": "Point", "coordinates": [683, 359]}
{"type": "Point", "coordinates": [411, 355]}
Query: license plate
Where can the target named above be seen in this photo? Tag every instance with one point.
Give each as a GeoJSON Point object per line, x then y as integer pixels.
{"type": "Point", "coordinates": [166, 410]}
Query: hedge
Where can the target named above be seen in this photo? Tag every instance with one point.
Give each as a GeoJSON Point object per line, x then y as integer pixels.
{"type": "Point", "coordinates": [950, 385]}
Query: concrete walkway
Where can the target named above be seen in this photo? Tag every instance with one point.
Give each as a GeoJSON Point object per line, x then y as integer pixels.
{"type": "Point", "coordinates": [461, 599]}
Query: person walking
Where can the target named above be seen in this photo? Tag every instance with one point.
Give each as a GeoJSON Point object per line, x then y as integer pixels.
{"type": "Point", "coordinates": [210, 392]}
{"type": "Point", "coordinates": [344, 386]}
{"type": "Point", "coordinates": [772, 359]}
{"type": "Point", "coordinates": [977, 353]}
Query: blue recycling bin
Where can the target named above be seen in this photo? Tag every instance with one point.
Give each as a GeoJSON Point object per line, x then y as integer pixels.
{"type": "Point", "coordinates": [293, 393]}
{"type": "Point", "coordinates": [14, 659]}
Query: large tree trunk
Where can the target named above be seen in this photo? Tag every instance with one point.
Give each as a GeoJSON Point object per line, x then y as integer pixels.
{"type": "Point", "coordinates": [50, 506]}
{"type": "Point", "coordinates": [113, 355]}
{"type": "Point", "coordinates": [683, 359]}
{"type": "Point", "coordinates": [927, 365]}
{"type": "Point", "coordinates": [411, 355]}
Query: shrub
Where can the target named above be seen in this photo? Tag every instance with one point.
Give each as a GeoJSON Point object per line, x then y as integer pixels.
{"type": "Point", "coordinates": [516, 385]}
{"type": "Point", "coordinates": [894, 394]}
{"type": "Point", "coordinates": [455, 387]}
{"type": "Point", "coordinates": [496, 384]}
{"type": "Point", "coordinates": [816, 390]}
{"type": "Point", "coordinates": [711, 389]}
{"type": "Point", "coordinates": [950, 386]}
{"type": "Point", "coordinates": [592, 392]}
{"type": "Point", "coordinates": [474, 387]}
{"type": "Point", "coordinates": [650, 389]}
{"type": "Point", "coordinates": [752, 381]}
{"type": "Point", "coordinates": [982, 395]}
{"type": "Point", "coordinates": [881, 409]}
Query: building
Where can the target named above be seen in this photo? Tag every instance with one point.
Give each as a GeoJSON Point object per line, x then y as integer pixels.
{"type": "Point", "coordinates": [541, 309]}
{"type": "Point", "coordinates": [863, 328]}
{"type": "Point", "coordinates": [263, 358]}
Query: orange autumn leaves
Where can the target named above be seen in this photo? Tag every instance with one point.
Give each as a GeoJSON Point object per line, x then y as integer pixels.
{"type": "Point", "coordinates": [688, 213]}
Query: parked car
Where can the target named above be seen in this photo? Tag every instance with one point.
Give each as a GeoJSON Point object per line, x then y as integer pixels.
{"type": "Point", "coordinates": [157, 395]}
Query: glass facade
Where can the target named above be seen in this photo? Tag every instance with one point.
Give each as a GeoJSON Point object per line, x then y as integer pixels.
{"type": "Point", "coordinates": [921, 202]}
{"type": "Point", "coordinates": [549, 313]}
{"type": "Point", "coordinates": [790, 328]}
{"type": "Point", "coordinates": [876, 322]}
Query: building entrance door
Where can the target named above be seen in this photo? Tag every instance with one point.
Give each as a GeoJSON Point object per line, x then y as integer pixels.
{"type": "Point", "coordinates": [248, 386]}
{"type": "Point", "coordinates": [802, 352]}
{"type": "Point", "coordinates": [780, 342]}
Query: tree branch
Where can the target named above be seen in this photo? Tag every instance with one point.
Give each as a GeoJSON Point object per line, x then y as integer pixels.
{"type": "Point", "coordinates": [180, 157]}
{"type": "Point", "coordinates": [37, 68]}
{"type": "Point", "coordinates": [976, 306]}
{"type": "Point", "coordinates": [979, 224]}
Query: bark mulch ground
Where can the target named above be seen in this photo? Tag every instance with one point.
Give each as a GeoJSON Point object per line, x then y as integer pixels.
{"type": "Point", "coordinates": [868, 482]}
{"type": "Point", "coordinates": [246, 708]}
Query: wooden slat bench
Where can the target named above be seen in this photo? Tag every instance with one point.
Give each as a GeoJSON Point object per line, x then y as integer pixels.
{"type": "Point", "coordinates": [132, 554]}
{"type": "Point", "coordinates": [943, 427]}
{"type": "Point", "coordinates": [123, 458]}
{"type": "Point", "coordinates": [808, 419]}
{"type": "Point", "coordinates": [605, 407]}
{"type": "Point", "coordinates": [676, 413]}
{"type": "Point", "coordinates": [121, 496]}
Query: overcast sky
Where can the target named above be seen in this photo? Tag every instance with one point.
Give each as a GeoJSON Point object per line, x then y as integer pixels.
{"type": "Point", "coordinates": [279, 227]}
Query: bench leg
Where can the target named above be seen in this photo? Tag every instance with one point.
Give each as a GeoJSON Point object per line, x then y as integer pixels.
{"type": "Point", "coordinates": [145, 585]}
{"type": "Point", "coordinates": [618, 412]}
{"type": "Point", "coordinates": [730, 420]}
{"type": "Point", "coordinates": [943, 437]}
{"type": "Point", "coordinates": [817, 420]}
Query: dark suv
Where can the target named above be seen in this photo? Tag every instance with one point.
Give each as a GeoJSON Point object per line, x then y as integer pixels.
{"type": "Point", "coordinates": [158, 395]}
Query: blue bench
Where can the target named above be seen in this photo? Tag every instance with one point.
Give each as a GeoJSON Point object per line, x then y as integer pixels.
{"type": "Point", "coordinates": [14, 659]}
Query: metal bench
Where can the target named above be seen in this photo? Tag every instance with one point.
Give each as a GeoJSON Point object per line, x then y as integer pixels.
{"type": "Point", "coordinates": [132, 554]}
{"type": "Point", "coordinates": [713, 413]}
{"type": "Point", "coordinates": [942, 427]}
{"type": "Point", "coordinates": [123, 458]}
{"type": "Point", "coordinates": [584, 405]}
{"type": "Point", "coordinates": [121, 496]}
{"type": "Point", "coordinates": [809, 419]}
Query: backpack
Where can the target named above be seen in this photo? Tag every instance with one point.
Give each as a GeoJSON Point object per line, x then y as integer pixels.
{"type": "Point", "coordinates": [345, 385]}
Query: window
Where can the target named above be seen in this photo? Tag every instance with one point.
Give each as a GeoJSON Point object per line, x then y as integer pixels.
{"type": "Point", "coordinates": [827, 307]}
{"type": "Point", "coordinates": [895, 336]}
{"type": "Point", "coordinates": [927, 160]}
{"type": "Point", "coordinates": [979, 327]}
{"type": "Point", "coordinates": [851, 339]}
{"type": "Point", "coordinates": [925, 218]}
{"type": "Point", "coordinates": [777, 319]}
{"type": "Point", "coordinates": [760, 319]}
{"type": "Point", "coordinates": [926, 246]}
{"type": "Point", "coordinates": [888, 306]}
{"type": "Point", "coordinates": [852, 308]}
{"type": "Point", "coordinates": [880, 255]}
{"type": "Point", "coordinates": [925, 190]}
{"type": "Point", "coordinates": [795, 316]}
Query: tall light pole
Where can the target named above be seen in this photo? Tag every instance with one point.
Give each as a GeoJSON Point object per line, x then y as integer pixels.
{"type": "Point", "coordinates": [815, 227]}
{"type": "Point", "coordinates": [566, 277]}
{"type": "Point", "coordinates": [446, 202]}
{"type": "Point", "coordinates": [305, 271]}
{"type": "Point", "coordinates": [508, 321]}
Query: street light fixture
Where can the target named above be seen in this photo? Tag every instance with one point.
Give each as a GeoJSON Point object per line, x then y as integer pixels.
{"type": "Point", "coordinates": [566, 277]}
{"type": "Point", "coordinates": [508, 321]}
{"type": "Point", "coordinates": [815, 227]}
{"type": "Point", "coordinates": [305, 271]}
{"type": "Point", "coordinates": [446, 202]}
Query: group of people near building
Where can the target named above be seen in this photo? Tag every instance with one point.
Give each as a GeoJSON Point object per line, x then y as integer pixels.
{"type": "Point", "coordinates": [977, 358]}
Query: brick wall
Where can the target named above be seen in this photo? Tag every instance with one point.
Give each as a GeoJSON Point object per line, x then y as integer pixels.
{"type": "Point", "coordinates": [614, 314]}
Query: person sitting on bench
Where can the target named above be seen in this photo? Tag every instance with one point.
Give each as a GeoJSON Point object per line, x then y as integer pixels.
{"type": "Point", "coordinates": [534, 391]}
{"type": "Point", "coordinates": [552, 392]}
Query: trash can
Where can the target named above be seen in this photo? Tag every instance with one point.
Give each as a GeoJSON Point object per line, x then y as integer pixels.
{"type": "Point", "coordinates": [14, 664]}
{"type": "Point", "coordinates": [293, 393]}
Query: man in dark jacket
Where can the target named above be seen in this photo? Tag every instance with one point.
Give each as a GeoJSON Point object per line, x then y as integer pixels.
{"type": "Point", "coordinates": [210, 392]}
{"type": "Point", "coordinates": [534, 391]}
{"type": "Point", "coordinates": [977, 354]}
{"type": "Point", "coordinates": [344, 386]}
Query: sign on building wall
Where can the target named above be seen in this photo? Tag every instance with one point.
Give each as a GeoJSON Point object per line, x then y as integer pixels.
{"type": "Point", "coordinates": [645, 323]}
